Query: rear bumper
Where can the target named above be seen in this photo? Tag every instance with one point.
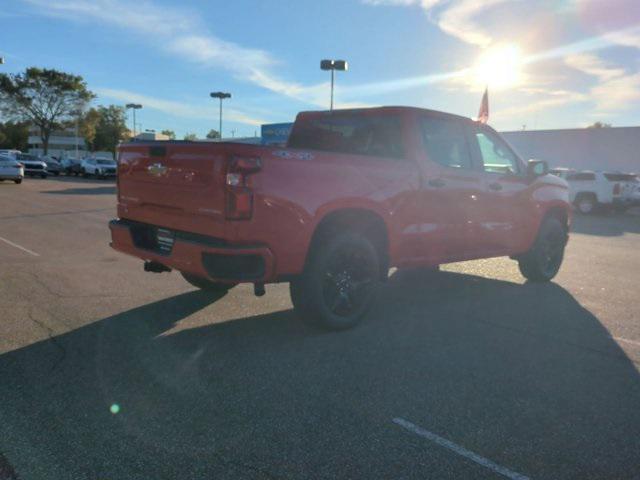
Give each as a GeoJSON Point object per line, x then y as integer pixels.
{"type": "Point", "coordinates": [207, 257]}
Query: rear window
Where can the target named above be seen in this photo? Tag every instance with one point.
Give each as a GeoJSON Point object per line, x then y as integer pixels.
{"type": "Point", "coordinates": [582, 177]}
{"type": "Point", "coordinates": [620, 177]}
{"type": "Point", "coordinates": [106, 162]}
{"type": "Point", "coordinates": [445, 142]}
{"type": "Point", "coordinates": [373, 135]}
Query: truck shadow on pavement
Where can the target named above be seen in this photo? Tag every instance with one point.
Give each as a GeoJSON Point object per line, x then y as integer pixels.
{"type": "Point", "coordinates": [109, 190]}
{"type": "Point", "coordinates": [521, 374]}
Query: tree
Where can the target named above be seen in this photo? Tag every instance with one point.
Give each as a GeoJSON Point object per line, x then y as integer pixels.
{"type": "Point", "coordinates": [46, 98]}
{"type": "Point", "coordinates": [213, 134]}
{"type": "Point", "coordinates": [14, 135]}
{"type": "Point", "coordinates": [88, 125]}
{"type": "Point", "coordinates": [111, 128]}
{"type": "Point", "coordinates": [169, 133]}
{"type": "Point", "coordinates": [600, 125]}
{"type": "Point", "coordinates": [191, 137]}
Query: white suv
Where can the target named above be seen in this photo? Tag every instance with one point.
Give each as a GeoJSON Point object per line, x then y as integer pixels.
{"type": "Point", "coordinates": [589, 190]}
{"type": "Point", "coordinates": [100, 167]}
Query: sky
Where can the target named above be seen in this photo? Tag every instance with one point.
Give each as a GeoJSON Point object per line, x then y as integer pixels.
{"type": "Point", "coordinates": [547, 64]}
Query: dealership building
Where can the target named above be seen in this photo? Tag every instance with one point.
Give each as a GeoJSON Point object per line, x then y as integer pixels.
{"type": "Point", "coordinates": [609, 148]}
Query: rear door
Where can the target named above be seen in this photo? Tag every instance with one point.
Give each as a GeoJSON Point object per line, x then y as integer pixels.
{"type": "Point", "coordinates": [451, 187]}
{"type": "Point", "coordinates": [505, 203]}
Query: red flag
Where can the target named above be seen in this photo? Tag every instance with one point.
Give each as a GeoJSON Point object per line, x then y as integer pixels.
{"type": "Point", "coordinates": [483, 114]}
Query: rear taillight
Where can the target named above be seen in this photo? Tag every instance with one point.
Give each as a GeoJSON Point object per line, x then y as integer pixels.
{"type": "Point", "coordinates": [616, 189]}
{"type": "Point", "coordinates": [239, 203]}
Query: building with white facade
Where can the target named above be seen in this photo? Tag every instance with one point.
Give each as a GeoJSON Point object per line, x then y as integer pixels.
{"type": "Point", "coordinates": [610, 148]}
{"type": "Point", "coordinates": [61, 144]}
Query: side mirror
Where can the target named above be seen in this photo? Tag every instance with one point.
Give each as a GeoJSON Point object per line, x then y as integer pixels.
{"type": "Point", "coordinates": [537, 168]}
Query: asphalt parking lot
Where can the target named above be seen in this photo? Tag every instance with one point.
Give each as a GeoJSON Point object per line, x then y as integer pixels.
{"type": "Point", "coordinates": [108, 372]}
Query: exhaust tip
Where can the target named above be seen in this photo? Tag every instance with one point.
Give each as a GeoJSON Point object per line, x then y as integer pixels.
{"type": "Point", "coordinates": [258, 289]}
{"type": "Point", "coordinates": [155, 267]}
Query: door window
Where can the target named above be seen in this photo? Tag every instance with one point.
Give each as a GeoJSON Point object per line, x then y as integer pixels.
{"type": "Point", "coordinates": [445, 142]}
{"type": "Point", "coordinates": [497, 157]}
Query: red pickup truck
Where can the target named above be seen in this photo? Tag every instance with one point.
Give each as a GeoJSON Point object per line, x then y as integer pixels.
{"type": "Point", "coordinates": [353, 193]}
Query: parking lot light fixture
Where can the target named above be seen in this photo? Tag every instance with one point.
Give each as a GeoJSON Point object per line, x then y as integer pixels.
{"type": "Point", "coordinates": [134, 107]}
{"type": "Point", "coordinates": [221, 96]}
{"type": "Point", "coordinates": [333, 65]}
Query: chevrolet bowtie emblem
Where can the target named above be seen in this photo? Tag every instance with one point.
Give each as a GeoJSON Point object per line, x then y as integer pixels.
{"type": "Point", "coordinates": [157, 169]}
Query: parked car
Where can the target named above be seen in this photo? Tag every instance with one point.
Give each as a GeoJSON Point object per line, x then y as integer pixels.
{"type": "Point", "coordinates": [590, 190]}
{"type": "Point", "coordinates": [10, 152]}
{"type": "Point", "coordinates": [71, 166]}
{"type": "Point", "coordinates": [33, 166]}
{"type": "Point", "coordinates": [11, 169]}
{"type": "Point", "coordinates": [53, 166]}
{"type": "Point", "coordinates": [99, 167]}
{"type": "Point", "coordinates": [353, 193]}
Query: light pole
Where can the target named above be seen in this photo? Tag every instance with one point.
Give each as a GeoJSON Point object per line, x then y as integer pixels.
{"type": "Point", "coordinates": [333, 65]}
{"type": "Point", "coordinates": [221, 96]}
{"type": "Point", "coordinates": [134, 107]}
{"type": "Point", "coordinates": [78, 115]}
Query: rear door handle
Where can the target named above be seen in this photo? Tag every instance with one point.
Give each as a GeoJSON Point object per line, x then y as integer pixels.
{"type": "Point", "coordinates": [436, 182]}
{"type": "Point", "coordinates": [495, 186]}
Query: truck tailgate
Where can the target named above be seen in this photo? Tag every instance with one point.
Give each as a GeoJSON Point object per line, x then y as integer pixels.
{"type": "Point", "coordinates": [175, 185]}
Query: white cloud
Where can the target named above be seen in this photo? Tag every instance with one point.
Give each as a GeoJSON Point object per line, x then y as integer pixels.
{"type": "Point", "coordinates": [457, 18]}
{"type": "Point", "coordinates": [593, 65]}
{"type": "Point", "coordinates": [554, 101]}
{"type": "Point", "coordinates": [193, 111]}
{"type": "Point", "coordinates": [616, 89]}
{"type": "Point", "coordinates": [459, 21]}
{"type": "Point", "coordinates": [620, 93]}
{"type": "Point", "coordinates": [179, 33]}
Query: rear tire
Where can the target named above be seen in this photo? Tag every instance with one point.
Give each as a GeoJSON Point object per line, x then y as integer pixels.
{"type": "Point", "coordinates": [43, 175]}
{"type": "Point", "coordinates": [205, 284]}
{"type": "Point", "coordinates": [542, 262]}
{"type": "Point", "coordinates": [338, 284]}
{"type": "Point", "coordinates": [18, 181]}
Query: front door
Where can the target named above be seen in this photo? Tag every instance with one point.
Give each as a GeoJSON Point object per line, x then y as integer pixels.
{"type": "Point", "coordinates": [451, 186]}
{"type": "Point", "coordinates": [505, 200]}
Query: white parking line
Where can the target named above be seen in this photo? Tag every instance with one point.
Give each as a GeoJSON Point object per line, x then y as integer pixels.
{"type": "Point", "coordinates": [20, 247]}
{"type": "Point", "coordinates": [443, 442]}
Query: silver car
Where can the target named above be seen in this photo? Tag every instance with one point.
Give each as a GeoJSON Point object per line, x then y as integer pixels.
{"type": "Point", "coordinates": [33, 166]}
{"type": "Point", "coordinates": [11, 169]}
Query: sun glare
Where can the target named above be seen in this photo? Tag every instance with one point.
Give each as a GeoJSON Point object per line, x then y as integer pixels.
{"type": "Point", "coordinates": [499, 67]}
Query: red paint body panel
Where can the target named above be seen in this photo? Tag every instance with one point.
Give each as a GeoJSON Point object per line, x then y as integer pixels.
{"type": "Point", "coordinates": [181, 186]}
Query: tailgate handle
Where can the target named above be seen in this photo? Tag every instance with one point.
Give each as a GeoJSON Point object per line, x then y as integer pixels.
{"type": "Point", "coordinates": [495, 186]}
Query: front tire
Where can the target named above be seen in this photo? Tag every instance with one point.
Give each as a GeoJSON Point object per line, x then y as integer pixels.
{"type": "Point", "coordinates": [336, 289]}
{"type": "Point", "coordinates": [542, 262]}
{"type": "Point", "coordinates": [205, 284]}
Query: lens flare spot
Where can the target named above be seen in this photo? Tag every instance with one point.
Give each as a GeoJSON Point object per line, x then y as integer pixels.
{"type": "Point", "coordinates": [499, 67]}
